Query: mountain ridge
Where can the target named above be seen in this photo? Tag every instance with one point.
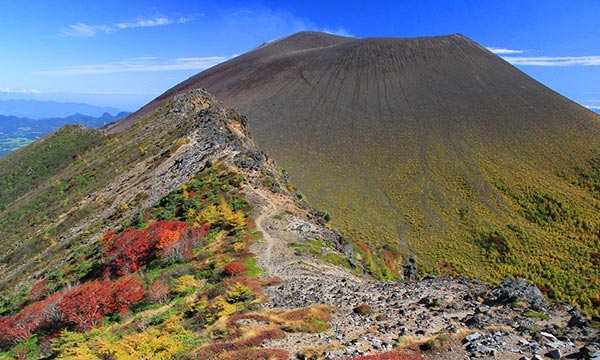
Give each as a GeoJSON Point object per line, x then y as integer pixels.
{"type": "Point", "coordinates": [39, 109]}
{"type": "Point", "coordinates": [16, 132]}
{"type": "Point", "coordinates": [179, 238]}
{"type": "Point", "coordinates": [428, 146]}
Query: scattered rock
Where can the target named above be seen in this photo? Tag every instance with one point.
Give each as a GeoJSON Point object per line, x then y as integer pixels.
{"type": "Point", "coordinates": [513, 290]}
{"type": "Point", "coordinates": [548, 336]}
{"type": "Point", "coordinates": [475, 321]}
{"type": "Point", "coordinates": [410, 269]}
{"type": "Point", "coordinates": [589, 350]}
{"type": "Point", "coordinates": [553, 354]}
{"type": "Point", "coordinates": [363, 309]}
{"type": "Point", "coordinates": [473, 336]}
{"type": "Point", "coordinates": [378, 316]}
{"type": "Point", "coordinates": [577, 319]}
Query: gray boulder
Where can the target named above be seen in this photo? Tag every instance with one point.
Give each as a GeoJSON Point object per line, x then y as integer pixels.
{"type": "Point", "coordinates": [410, 269]}
{"type": "Point", "coordinates": [513, 290]}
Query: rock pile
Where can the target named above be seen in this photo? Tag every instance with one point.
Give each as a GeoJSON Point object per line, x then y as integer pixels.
{"type": "Point", "coordinates": [444, 317]}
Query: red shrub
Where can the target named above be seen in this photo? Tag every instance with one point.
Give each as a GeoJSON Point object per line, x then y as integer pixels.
{"type": "Point", "coordinates": [126, 292]}
{"type": "Point", "coordinates": [227, 347]}
{"type": "Point", "coordinates": [13, 330]}
{"type": "Point", "coordinates": [20, 326]}
{"type": "Point", "coordinates": [128, 251]}
{"type": "Point", "coordinates": [234, 268]}
{"type": "Point", "coordinates": [85, 306]}
{"type": "Point", "coordinates": [169, 232]}
{"type": "Point", "coordinates": [132, 249]}
{"type": "Point", "coordinates": [174, 242]}
{"type": "Point", "coordinates": [543, 289]}
{"type": "Point", "coordinates": [364, 248]}
{"type": "Point", "coordinates": [108, 240]}
{"type": "Point", "coordinates": [158, 292]}
{"type": "Point", "coordinates": [39, 290]}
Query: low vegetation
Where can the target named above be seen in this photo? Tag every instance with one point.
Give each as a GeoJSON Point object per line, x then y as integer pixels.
{"type": "Point", "coordinates": [177, 280]}
{"type": "Point", "coordinates": [551, 238]}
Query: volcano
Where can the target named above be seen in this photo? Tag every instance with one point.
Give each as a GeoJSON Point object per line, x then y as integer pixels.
{"type": "Point", "coordinates": [431, 146]}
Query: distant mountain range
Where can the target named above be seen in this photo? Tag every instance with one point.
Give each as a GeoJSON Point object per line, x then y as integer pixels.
{"type": "Point", "coordinates": [36, 109]}
{"type": "Point", "coordinates": [16, 132]}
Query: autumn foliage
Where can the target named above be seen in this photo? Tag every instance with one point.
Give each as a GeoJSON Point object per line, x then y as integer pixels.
{"type": "Point", "coordinates": [81, 308]}
{"type": "Point", "coordinates": [84, 307]}
{"type": "Point", "coordinates": [125, 292]}
{"type": "Point", "coordinates": [158, 292]}
{"type": "Point", "coordinates": [39, 290]}
{"type": "Point", "coordinates": [169, 250]}
{"type": "Point", "coordinates": [131, 249]}
{"type": "Point", "coordinates": [234, 268]}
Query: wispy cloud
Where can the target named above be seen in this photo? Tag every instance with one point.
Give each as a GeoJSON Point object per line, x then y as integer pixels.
{"type": "Point", "coordinates": [553, 60]}
{"type": "Point", "coordinates": [504, 51]}
{"type": "Point", "coordinates": [338, 31]}
{"type": "Point", "coordinates": [593, 107]}
{"type": "Point", "coordinates": [84, 30]}
{"type": "Point", "coordinates": [88, 30]}
{"type": "Point", "coordinates": [158, 21]}
{"type": "Point", "coordinates": [281, 22]}
{"type": "Point", "coordinates": [19, 91]}
{"type": "Point", "coordinates": [147, 63]}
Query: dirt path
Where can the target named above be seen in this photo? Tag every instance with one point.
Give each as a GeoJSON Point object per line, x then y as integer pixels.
{"type": "Point", "coordinates": [273, 252]}
{"type": "Point", "coordinates": [266, 210]}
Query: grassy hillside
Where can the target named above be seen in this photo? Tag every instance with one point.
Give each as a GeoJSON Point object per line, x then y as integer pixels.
{"type": "Point", "coordinates": [135, 245]}
{"type": "Point", "coordinates": [16, 132]}
{"type": "Point", "coordinates": [176, 282]}
{"type": "Point", "coordinates": [59, 194]}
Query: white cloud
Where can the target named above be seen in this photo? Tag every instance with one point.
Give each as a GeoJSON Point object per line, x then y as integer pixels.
{"type": "Point", "coordinates": [158, 21]}
{"type": "Point", "coordinates": [87, 30]}
{"type": "Point", "coordinates": [243, 12]}
{"type": "Point", "coordinates": [19, 91]}
{"type": "Point", "coordinates": [504, 51]}
{"type": "Point", "coordinates": [338, 31]}
{"type": "Point", "coordinates": [593, 107]}
{"type": "Point", "coordinates": [146, 63]}
{"type": "Point", "coordinates": [84, 30]}
{"type": "Point", "coordinates": [553, 60]}
{"type": "Point", "coordinates": [280, 23]}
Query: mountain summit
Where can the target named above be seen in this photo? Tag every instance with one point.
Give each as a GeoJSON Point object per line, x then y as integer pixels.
{"type": "Point", "coordinates": [431, 146]}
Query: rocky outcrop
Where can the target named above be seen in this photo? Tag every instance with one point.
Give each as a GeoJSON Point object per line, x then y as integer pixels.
{"type": "Point", "coordinates": [511, 291]}
{"type": "Point", "coordinates": [449, 313]}
{"type": "Point", "coordinates": [410, 269]}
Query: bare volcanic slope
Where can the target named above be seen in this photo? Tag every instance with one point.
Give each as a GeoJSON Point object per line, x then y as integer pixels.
{"type": "Point", "coordinates": [433, 146]}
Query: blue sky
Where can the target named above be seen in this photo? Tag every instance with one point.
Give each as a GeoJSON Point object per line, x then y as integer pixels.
{"type": "Point", "coordinates": [124, 53]}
